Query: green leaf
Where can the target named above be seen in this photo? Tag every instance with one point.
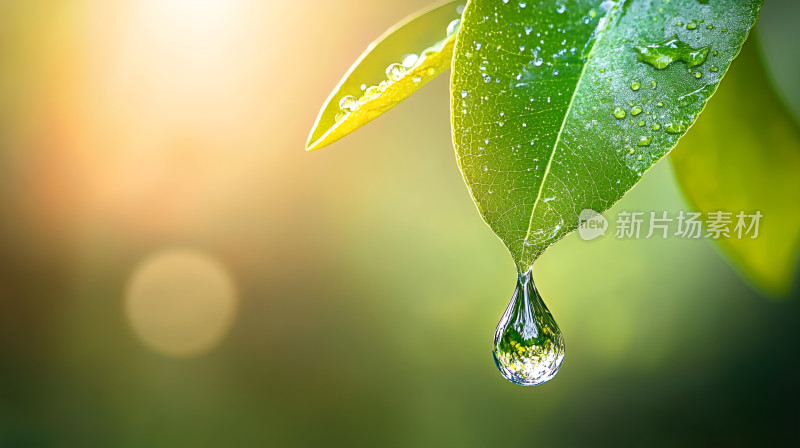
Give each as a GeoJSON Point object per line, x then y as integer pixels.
{"type": "Point", "coordinates": [393, 67]}
{"type": "Point", "coordinates": [559, 106]}
{"type": "Point", "coordinates": [744, 156]}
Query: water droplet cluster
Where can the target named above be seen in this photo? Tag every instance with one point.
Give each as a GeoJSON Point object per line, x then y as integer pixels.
{"type": "Point", "coordinates": [660, 55]}
{"type": "Point", "coordinates": [409, 64]}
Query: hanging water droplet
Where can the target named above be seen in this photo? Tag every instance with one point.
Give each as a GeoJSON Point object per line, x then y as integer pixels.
{"type": "Point", "coordinates": [348, 104]}
{"type": "Point", "coordinates": [395, 71]}
{"type": "Point", "coordinates": [528, 347]}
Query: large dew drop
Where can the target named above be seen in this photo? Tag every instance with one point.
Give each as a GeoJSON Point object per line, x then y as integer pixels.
{"type": "Point", "coordinates": [528, 347]}
{"type": "Point", "coordinates": [661, 54]}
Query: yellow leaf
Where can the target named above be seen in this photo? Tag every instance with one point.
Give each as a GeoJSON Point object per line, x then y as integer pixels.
{"type": "Point", "coordinates": [405, 58]}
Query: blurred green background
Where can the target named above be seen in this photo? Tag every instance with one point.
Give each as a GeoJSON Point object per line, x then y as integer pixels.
{"type": "Point", "coordinates": [154, 148]}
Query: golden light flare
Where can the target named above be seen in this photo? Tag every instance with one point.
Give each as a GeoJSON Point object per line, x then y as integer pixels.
{"type": "Point", "coordinates": [180, 302]}
{"type": "Point", "coordinates": [152, 115]}
{"type": "Point", "coordinates": [151, 119]}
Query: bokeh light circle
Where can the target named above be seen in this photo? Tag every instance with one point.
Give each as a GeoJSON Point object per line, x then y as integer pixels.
{"type": "Point", "coordinates": [181, 302]}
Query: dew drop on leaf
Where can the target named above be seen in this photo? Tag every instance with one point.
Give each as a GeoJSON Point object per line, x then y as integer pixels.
{"type": "Point", "coordinates": [661, 54]}
{"type": "Point", "coordinates": [453, 27]}
{"type": "Point", "coordinates": [528, 347]}
{"type": "Point", "coordinates": [372, 91]}
{"type": "Point", "coordinates": [673, 128]}
{"type": "Point", "coordinates": [409, 60]}
{"type": "Point", "coordinates": [395, 71]}
{"type": "Point", "coordinates": [348, 104]}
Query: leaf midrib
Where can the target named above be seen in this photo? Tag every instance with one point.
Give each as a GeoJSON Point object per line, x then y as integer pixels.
{"type": "Point", "coordinates": [601, 34]}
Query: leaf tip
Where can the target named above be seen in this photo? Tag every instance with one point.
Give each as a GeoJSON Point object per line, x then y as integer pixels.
{"type": "Point", "coordinates": [314, 140]}
{"type": "Point", "coordinates": [313, 144]}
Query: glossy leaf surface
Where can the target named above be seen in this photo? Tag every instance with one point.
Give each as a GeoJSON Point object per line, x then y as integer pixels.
{"type": "Point", "coordinates": [562, 106]}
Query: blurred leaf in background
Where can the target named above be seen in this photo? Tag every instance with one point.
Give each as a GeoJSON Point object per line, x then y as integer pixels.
{"type": "Point", "coordinates": [744, 156]}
